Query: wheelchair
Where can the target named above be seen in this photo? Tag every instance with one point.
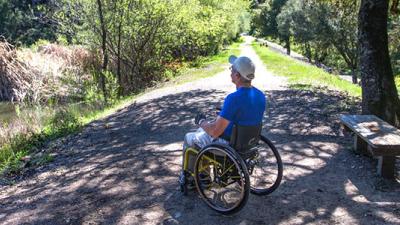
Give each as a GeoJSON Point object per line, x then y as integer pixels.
{"type": "Point", "coordinates": [224, 175]}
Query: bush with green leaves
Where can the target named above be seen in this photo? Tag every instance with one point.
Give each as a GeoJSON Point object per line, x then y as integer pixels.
{"type": "Point", "coordinates": [64, 121]}
{"type": "Point", "coordinates": [24, 22]}
{"type": "Point", "coordinates": [143, 37]}
{"type": "Point", "coordinates": [323, 29]}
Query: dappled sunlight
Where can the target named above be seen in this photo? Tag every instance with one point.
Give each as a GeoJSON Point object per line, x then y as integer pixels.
{"type": "Point", "coordinates": [302, 217]}
{"type": "Point", "coordinates": [114, 167]}
{"type": "Point", "coordinates": [303, 158]}
{"type": "Point", "coordinates": [150, 215]}
{"type": "Point", "coordinates": [353, 192]}
{"type": "Point", "coordinates": [341, 212]}
{"type": "Point", "coordinates": [387, 216]}
{"type": "Point", "coordinates": [124, 168]}
{"type": "Point", "coordinates": [128, 170]}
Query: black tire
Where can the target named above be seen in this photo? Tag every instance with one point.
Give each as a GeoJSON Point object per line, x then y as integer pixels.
{"type": "Point", "coordinates": [184, 189]}
{"type": "Point", "coordinates": [265, 169]}
{"type": "Point", "coordinates": [183, 183]}
{"type": "Point", "coordinates": [224, 185]}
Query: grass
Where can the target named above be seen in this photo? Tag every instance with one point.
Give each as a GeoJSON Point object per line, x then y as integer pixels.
{"type": "Point", "coordinates": [14, 151]}
{"type": "Point", "coordinates": [301, 75]}
{"type": "Point", "coordinates": [205, 67]}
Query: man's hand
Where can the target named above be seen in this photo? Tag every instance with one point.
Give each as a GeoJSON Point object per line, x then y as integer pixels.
{"type": "Point", "coordinates": [199, 118]}
{"type": "Point", "coordinates": [215, 128]}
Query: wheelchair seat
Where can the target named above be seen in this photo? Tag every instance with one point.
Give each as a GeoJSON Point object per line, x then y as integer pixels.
{"type": "Point", "coordinates": [244, 138]}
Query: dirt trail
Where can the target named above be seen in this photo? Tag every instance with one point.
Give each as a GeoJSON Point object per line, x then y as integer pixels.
{"type": "Point", "coordinates": [123, 169]}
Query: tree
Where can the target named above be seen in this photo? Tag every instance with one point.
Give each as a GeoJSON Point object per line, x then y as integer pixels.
{"type": "Point", "coordinates": [265, 21]}
{"type": "Point", "coordinates": [379, 94]}
{"type": "Point", "coordinates": [24, 22]}
{"type": "Point", "coordinates": [322, 28]}
{"type": "Point", "coordinates": [394, 38]}
{"type": "Point", "coordinates": [284, 22]}
{"type": "Point", "coordinates": [139, 40]}
{"type": "Point", "coordinates": [307, 24]}
{"type": "Point", "coordinates": [395, 7]}
{"type": "Point", "coordinates": [342, 35]}
{"type": "Point", "coordinates": [103, 48]}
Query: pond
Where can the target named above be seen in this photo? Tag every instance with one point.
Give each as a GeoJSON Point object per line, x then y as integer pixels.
{"type": "Point", "coordinates": [10, 112]}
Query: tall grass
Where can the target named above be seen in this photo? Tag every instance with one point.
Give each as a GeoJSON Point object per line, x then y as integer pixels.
{"type": "Point", "coordinates": [26, 135]}
{"type": "Point", "coordinates": [206, 66]}
{"type": "Point", "coordinates": [39, 74]}
{"type": "Point", "coordinates": [302, 75]}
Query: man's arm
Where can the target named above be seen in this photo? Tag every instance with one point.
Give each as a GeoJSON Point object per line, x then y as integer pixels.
{"type": "Point", "coordinates": [215, 128]}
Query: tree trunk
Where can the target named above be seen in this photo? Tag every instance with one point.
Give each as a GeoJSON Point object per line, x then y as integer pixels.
{"type": "Point", "coordinates": [287, 41]}
{"type": "Point", "coordinates": [104, 49]}
{"type": "Point", "coordinates": [379, 94]}
{"type": "Point", "coordinates": [308, 52]}
{"type": "Point", "coordinates": [119, 59]}
{"type": "Point", "coordinates": [394, 9]}
{"type": "Point", "coordinates": [354, 75]}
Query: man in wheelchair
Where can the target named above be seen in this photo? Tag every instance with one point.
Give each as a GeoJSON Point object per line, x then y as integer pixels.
{"type": "Point", "coordinates": [244, 107]}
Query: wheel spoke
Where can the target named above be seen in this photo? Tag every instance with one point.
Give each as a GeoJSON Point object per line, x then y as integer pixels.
{"type": "Point", "coordinates": [220, 192]}
{"type": "Point", "coordinates": [267, 171]}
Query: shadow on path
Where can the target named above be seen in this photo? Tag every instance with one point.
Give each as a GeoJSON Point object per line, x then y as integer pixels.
{"type": "Point", "coordinates": [324, 182]}
{"type": "Point", "coordinates": [123, 169]}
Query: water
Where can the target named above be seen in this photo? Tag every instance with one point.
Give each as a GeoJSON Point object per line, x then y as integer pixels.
{"type": "Point", "coordinates": [7, 112]}
{"type": "Point", "coordinates": [11, 112]}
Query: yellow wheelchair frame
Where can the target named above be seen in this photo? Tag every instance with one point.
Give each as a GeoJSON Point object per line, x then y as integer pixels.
{"type": "Point", "coordinates": [195, 152]}
{"type": "Point", "coordinates": [220, 169]}
{"type": "Point", "coordinates": [186, 159]}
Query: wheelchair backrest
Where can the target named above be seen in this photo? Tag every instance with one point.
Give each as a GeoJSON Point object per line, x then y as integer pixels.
{"type": "Point", "coordinates": [244, 138]}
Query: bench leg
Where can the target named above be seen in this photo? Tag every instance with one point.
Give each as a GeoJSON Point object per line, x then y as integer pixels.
{"type": "Point", "coordinates": [386, 166]}
{"type": "Point", "coordinates": [360, 146]}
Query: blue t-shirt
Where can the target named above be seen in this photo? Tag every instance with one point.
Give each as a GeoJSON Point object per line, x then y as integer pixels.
{"type": "Point", "coordinates": [244, 107]}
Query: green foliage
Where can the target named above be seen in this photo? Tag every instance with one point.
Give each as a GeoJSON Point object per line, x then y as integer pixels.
{"type": "Point", "coordinates": [40, 42]}
{"type": "Point", "coordinates": [301, 75]}
{"type": "Point", "coordinates": [12, 164]}
{"type": "Point", "coordinates": [22, 22]}
{"type": "Point", "coordinates": [71, 119]}
{"type": "Point", "coordinates": [11, 153]}
{"type": "Point", "coordinates": [64, 121]}
{"type": "Point", "coordinates": [394, 42]}
{"type": "Point", "coordinates": [322, 25]}
{"type": "Point", "coordinates": [144, 37]}
{"type": "Point", "coordinates": [264, 21]}
{"type": "Point", "coordinates": [207, 66]}
{"type": "Point", "coordinates": [323, 31]}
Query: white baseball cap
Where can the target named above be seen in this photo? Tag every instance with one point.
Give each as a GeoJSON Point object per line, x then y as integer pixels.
{"type": "Point", "coordinates": [243, 65]}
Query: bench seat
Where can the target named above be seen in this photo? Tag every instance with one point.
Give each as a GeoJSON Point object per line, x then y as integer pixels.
{"type": "Point", "coordinates": [377, 137]}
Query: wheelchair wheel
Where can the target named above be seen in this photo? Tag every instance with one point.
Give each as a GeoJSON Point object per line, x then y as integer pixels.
{"type": "Point", "coordinates": [265, 168]}
{"type": "Point", "coordinates": [222, 179]}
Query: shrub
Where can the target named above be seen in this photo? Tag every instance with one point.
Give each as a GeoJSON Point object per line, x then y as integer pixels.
{"type": "Point", "coordinates": [64, 121]}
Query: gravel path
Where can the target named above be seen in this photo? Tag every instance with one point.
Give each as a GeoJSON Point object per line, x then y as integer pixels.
{"type": "Point", "coordinates": [123, 169]}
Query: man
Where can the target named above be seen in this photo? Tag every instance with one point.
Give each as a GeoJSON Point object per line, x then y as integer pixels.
{"type": "Point", "coordinates": [244, 107]}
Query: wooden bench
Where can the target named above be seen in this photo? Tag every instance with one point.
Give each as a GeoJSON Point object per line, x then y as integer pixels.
{"type": "Point", "coordinates": [376, 137]}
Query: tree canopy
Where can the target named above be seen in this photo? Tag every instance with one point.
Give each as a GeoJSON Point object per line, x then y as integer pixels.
{"type": "Point", "coordinates": [24, 22]}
